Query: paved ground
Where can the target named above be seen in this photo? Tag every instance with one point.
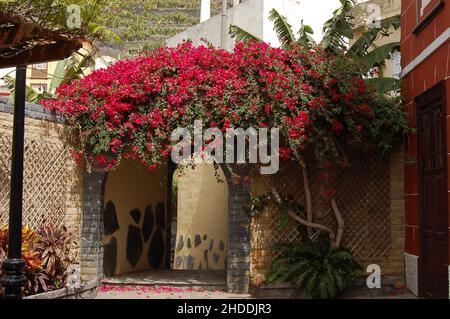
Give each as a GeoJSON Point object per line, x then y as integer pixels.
{"type": "Point", "coordinates": [181, 284]}
{"type": "Point", "coordinates": [165, 284]}
{"type": "Point", "coordinates": [162, 292]}
{"type": "Point", "coordinates": [209, 280]}
{"type": "Point", "coordinates": [165, 292]}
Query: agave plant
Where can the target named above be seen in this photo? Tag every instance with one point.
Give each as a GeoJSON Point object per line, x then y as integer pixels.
{"type": "Point", "coordinates": [53, 247]}
{"type": "Point", "coordinates": [321, 270]}
{"type": "Point", "coordinates": [337, 30]}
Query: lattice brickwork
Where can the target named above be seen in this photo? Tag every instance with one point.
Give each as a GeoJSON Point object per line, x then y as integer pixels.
{"type": "Point", "coordinates": [45, 181]}
{"type": "Point", "coordinates": [363, 198]}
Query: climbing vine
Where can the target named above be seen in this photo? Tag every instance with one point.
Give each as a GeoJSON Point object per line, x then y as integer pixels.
{"type": "Point", "coordinates": [319, 102]}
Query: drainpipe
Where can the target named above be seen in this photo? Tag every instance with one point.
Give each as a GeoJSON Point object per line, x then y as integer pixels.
{"type": "Point", "coordinates": [224, 33]}
{"type": "Point", "coordinates": [205, 10]}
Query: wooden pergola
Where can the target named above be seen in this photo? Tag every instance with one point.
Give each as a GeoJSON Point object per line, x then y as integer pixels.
{"type": "Point", "coordinates": [22, 43]}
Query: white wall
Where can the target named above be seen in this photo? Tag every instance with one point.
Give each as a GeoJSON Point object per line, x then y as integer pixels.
{"type": "Point", "coordinates": [314, 13]}
{"type": "Point", "coordinates": [247, 15]}
{"type": "Point", "coordinates": [252, 15]}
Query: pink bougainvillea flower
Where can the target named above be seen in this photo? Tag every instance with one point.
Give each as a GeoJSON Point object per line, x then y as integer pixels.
{"type": "Point", "coordinates": [130, 109]}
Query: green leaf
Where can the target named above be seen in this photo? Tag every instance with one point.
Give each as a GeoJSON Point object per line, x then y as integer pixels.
{"type": "Point", "coordinates": [365, 42]}
{"type": "Point", "coordinates": [338, 28]}
{"type": "Point", "coordinates": [305, 32]}
{"type": "Point", "coordinates": [242, 35]}
{"type": "Point", "coordinates": [383, 84]}
{"type": "Point", "coordinates": [75, 66]}
{"type": "Point", "coordinates": [58, 76]}
{"type": "Point", "coordinates": [377, 56]}
{"type": "Point", "coordinates": [31, 95]}
{"type": "Point", "coordinates": [104, 32]}
{"type": "Point", "coordinates": [282, 28]}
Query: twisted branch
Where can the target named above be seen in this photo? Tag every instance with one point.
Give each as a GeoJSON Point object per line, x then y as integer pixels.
{"type": "Point", "coordinates": [307, 223]}
{"type": "Point", "coordinates": [309, 211]}
{"type": "Point", "coordinates": [340, 222]}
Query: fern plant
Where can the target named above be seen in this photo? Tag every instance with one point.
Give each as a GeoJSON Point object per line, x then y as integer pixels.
{"type": "Point", "coordinates": [321, 270]}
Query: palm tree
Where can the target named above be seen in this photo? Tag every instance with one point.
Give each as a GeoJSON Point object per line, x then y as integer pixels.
{"type": "Point", "coordinates": [53, 14]}
{"type": "Point", "coordinates": [337, 30]}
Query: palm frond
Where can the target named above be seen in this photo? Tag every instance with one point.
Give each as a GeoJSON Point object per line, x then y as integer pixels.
{"type": "Point", "coordinates": [365, 42]}
{"type": "Point", "coordinates": [378, 56]}
{"type": "Point", "coordinates": [31, 95]}
{"type": "Point", "coordinates": [242, 35]}
{"type": "Point", "coordinates": [76, 65]}
{"type": "Point", "coordinates": [321, 270]}
{"type": "Point", "coordinates": [282, 28]}
{"type": "Point", "coordinates": [58, 76]}
{"type": "Point", "coordinates": [305, 33]}
{"type": "Point", "coordinates": [339, 28]}
{"type": "Point", "coordinates": [104, 33]}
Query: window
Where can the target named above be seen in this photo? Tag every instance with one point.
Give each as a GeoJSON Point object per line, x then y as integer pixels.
{"type": "Point", "coordinates": [40, 66]}
{"type": "Point", "coordinates": [40, 87]}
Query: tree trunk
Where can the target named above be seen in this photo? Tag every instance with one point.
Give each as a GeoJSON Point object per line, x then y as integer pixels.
{"type": "Point", "coordinates": [340, 221]}
{"type": "Point", "coordinates": [309, 210]}
{"type": "Point", "coordinates": [335, 239]}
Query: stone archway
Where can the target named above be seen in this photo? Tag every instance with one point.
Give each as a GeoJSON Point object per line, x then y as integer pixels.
{"type": "Point", "coordinates": [238, 257]}
{"type": "Point", "coordinates": [200, 219]}
{"type": "Point", "coordinates": [135, 219]}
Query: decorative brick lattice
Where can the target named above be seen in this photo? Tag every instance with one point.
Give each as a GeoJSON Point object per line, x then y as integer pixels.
{"type": "Point", "coordinates": [45, 181]}
{"type": "Point", "coordinates": [363, 198]}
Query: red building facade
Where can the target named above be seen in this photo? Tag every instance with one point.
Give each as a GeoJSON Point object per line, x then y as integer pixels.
{"type": "Point", "coordinates": [425, 49]}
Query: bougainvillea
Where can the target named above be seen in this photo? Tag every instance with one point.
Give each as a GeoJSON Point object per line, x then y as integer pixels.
{"type": "Point", "coordinates": [318, 101]}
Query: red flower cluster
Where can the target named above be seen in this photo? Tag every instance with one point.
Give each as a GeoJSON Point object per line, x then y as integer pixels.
{"type": "Point", "coordinates": [130, 109]}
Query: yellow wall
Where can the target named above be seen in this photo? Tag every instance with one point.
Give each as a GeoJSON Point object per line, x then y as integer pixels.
{"type": "Point", "coordinates": [130, 187]}
{"type": "Point", "coordinates": [46, 76]}
{"type": "Point", "coordinates": [51, 68]}
{"type": "Point", "coordinates": [202, 213]}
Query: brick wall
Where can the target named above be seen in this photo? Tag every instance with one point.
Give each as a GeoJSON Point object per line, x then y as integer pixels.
{"type": "Point", "coordinates": [425, 49]}
{"type": "Point", "coordinates": [42, 128]}
{"type": "Point", "coordinates": [263, 227]}
{"type": "Point", "coordinates": [238, 259]}
{"type": "Point", "coordinates": [92, 226]}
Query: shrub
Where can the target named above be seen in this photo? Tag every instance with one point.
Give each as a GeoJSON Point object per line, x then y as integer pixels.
{"type": "Point", "coordinates": [323, 271]}
{"type": "Point", "coordinates": [319, 101]}
{"type": "Point", "coordinates": [53, 247]}
{"type": "Point", "coordinates": [33, 272]}
{"type": "Point", "coordinates": [46, 254]}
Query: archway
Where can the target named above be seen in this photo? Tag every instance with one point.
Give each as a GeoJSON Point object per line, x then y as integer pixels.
{"type": "Point", "coordinates": [95, 200]}
{"type": "Point", "coordinates": [201, 229]}
{"type": "Point", "coordinates": [135, 219]}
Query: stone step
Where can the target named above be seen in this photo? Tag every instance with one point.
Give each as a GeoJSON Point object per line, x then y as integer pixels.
{"type": "Point", "coordinates": [204, 280]}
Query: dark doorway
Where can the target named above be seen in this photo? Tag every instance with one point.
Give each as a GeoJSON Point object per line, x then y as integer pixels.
{"type": "Point", "coordinates": [433, 193]}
